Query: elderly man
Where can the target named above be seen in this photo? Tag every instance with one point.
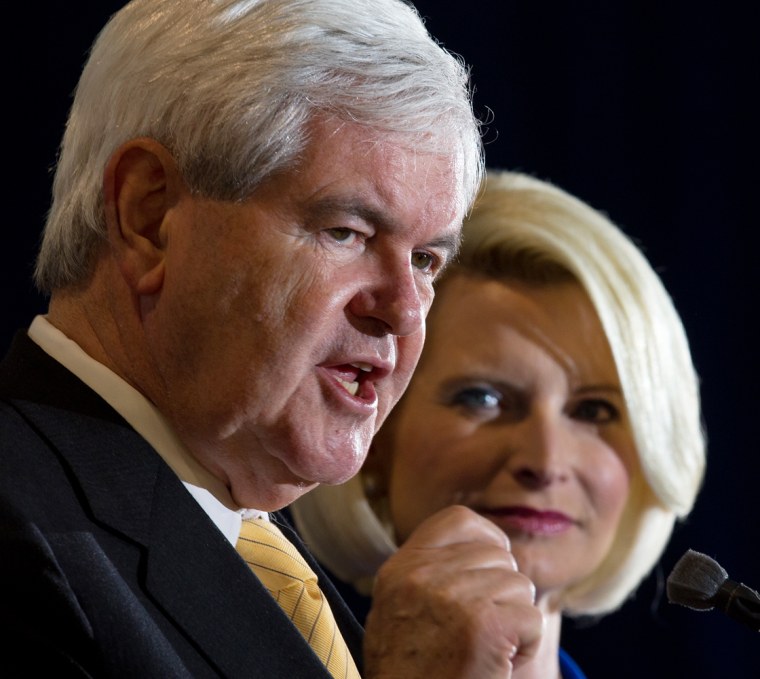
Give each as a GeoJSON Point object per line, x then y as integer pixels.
{"type": "Point", "coordinates": [252, 201]}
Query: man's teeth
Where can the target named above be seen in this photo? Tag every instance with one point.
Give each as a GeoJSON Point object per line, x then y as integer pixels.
{"type": "Point", "coordinates": [350, 387]}
{"type": "Point", "coordinates": [353, 387]}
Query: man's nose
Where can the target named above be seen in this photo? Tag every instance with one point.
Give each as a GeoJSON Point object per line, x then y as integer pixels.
{"type": "Point", "coordinates": [392, 302]}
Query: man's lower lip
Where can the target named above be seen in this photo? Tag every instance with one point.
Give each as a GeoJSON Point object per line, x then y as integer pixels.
{"type": "Point", "coordinates": [365, 398]}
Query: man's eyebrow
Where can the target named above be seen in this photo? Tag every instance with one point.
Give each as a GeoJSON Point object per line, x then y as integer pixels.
{"type": "Point", "coordinates": [334, 205]}
{"type": "Point", "coordinates": [449, 243]}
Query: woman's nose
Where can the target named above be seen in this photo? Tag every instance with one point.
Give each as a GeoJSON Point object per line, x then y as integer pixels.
{"type": "Point", "coordinates": [540, 451]}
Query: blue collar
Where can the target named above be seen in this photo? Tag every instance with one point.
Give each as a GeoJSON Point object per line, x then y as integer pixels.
{"type": "Point", "coordinates": [568, 667]}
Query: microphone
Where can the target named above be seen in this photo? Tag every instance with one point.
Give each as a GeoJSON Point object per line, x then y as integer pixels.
{"type": "Point", "coordinates": [700, 583]}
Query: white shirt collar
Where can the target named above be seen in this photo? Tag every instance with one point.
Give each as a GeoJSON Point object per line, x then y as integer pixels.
{"type": "Point", "coordinates": [212, 495]}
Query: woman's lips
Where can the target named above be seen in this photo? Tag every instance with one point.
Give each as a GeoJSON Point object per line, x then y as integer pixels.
{"type": "Point", "coordinates": [530, 521]}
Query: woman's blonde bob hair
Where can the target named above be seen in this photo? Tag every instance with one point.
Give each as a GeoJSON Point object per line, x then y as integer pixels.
{"type": "Point", "coordinates": [529, 229]}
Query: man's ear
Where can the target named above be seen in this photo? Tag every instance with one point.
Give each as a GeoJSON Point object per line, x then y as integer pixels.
{"type": "Point", "coordinates": [140, 184]}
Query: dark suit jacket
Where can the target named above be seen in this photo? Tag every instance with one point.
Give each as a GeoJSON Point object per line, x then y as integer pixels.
{"type": "Point", "coordinates": [108, 566]}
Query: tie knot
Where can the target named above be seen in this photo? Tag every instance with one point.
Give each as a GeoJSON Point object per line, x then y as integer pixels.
{"type": "Point", "coordinates": [272, 556]}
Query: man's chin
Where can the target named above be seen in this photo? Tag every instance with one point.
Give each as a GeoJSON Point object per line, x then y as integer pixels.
{"type": "Point", "coordinates": [275, 498]}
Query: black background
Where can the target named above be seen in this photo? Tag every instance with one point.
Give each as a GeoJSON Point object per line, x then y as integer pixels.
{"type": "Point", "coordinates": [643, 109]}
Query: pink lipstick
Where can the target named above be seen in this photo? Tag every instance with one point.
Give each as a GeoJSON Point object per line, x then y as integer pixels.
{"type": "Point", "coordinates": [530, 521]}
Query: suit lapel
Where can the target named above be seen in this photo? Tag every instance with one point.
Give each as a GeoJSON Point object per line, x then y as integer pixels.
{"type": "Point", "coordinates": [191, 571]}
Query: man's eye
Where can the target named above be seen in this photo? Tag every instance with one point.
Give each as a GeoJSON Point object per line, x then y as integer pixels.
{"type": "Point", "coordinates": [597, 411]}
{"type": "Point", "coordinates": [343, 235]}
{"type": "Point", "coordinates": [423, 261]}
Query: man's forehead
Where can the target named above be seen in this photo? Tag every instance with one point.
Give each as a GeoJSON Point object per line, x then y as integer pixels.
{"type": "Point", "coordinates": [403, 154]}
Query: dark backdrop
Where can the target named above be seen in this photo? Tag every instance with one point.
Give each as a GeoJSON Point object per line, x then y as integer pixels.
{"type": "Point", "coordinates": [643, 109]}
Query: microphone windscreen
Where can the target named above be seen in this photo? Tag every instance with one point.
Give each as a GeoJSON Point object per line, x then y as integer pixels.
{"type": "Point", "coordinates": [695, 580]}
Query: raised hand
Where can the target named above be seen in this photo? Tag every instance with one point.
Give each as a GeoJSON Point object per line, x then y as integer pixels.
{"type": "Point", "coordinates": [451, 604]}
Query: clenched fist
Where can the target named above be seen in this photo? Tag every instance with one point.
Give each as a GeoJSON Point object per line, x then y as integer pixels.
{"type": "Point", "coordinates": [450, 604]}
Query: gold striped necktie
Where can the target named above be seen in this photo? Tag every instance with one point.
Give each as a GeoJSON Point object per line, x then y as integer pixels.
{"type": "Point", "coordinates": [283, 571]}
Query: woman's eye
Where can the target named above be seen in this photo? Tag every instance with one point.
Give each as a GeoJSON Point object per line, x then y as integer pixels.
{"type": "Point", "coordinates": [477, 398]}
{"type": "Point", "coordinates": [596, 411]}
{"type": "Point", "coordinates": [423, 261]}
{"type": "Point", "coordinates": [343, 235]}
